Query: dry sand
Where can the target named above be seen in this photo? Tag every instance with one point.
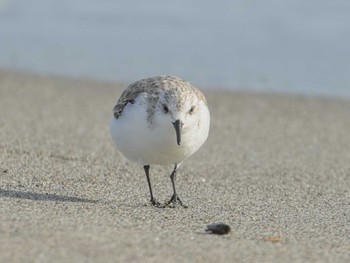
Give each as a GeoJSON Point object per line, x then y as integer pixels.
{"type": "Point", "coordinates": [275, 168]}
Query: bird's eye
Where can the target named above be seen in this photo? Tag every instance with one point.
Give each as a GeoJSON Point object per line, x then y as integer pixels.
{"type": "Point", "coordinates": [165, 108]}
{"type": "Point", "coordinates": [192, 110]}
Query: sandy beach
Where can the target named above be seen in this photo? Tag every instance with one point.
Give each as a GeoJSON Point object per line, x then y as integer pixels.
{"type": "Point", "coordinates": [276, 168]}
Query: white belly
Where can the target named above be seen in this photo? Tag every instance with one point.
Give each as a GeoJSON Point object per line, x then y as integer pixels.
{"type": "Point", "coordinates": [149, 144]}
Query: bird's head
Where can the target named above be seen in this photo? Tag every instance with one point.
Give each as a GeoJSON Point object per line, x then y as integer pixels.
{"type": "Point", "coordinates": [180, 109]}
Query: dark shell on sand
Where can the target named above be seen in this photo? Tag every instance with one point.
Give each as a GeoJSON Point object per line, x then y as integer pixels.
{"type": "Point", "coordinates": [218, 229]}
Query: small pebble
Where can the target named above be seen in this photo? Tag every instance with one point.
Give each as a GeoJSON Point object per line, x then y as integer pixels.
{"type": "Point", "coordinates": [218, 229]}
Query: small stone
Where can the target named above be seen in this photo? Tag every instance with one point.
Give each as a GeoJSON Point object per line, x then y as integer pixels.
{"type": "Point", "coordinates": [218, 229]}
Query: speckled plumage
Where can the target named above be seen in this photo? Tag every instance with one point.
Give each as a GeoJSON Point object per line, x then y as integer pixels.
{"type": "Point", "coordinates": [175, 86]}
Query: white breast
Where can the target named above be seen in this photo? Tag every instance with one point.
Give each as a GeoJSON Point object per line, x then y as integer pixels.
{"type": "Point", "coordinates": [155, 143]}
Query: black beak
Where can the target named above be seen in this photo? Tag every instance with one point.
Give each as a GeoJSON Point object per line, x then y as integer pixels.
{"type": "Point", "coordinates": [178, 126]}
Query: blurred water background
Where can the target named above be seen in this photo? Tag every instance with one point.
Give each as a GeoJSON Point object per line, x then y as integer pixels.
{"type": "Point", "coordinates": [298, 46]}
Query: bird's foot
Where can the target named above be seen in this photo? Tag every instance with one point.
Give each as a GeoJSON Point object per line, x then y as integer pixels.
{"type": "Point", "coordinates": [157, 204]}
{"type": "Point", "coordinates": [173, 201]}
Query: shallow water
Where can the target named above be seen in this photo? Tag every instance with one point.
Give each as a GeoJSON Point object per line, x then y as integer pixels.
{"type": "Point", "coordinates": [284, 46]}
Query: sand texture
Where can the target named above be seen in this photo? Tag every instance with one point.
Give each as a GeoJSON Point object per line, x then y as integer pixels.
{"type": "Point", "coordinates": [275, 168]}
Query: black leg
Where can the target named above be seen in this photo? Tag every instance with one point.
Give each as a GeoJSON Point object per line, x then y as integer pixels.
{"type": "Point", "coordinates": [175, 198]}
{"type": "Point", "coordinates": [153, 201]}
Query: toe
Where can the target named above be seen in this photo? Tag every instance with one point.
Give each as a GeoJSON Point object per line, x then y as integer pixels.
{"type": "Point", "coordinates": [155, 203]}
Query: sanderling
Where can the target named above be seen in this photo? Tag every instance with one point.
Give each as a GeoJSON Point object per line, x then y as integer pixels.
{"type": "Point", "coordinates": [160, 121]}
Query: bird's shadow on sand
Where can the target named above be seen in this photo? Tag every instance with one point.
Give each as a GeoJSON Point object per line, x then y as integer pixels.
{"type": "Point", "coordinates": [43, 197]}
